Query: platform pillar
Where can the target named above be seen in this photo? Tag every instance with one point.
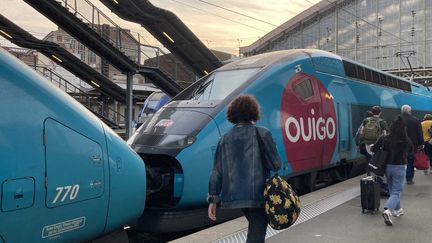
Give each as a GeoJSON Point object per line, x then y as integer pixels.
{"type": "Point", "coordinates": [129, 105]}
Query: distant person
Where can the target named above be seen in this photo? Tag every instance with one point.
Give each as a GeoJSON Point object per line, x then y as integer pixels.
{"type": "Point", "coordinates": [414, 132]}
{"type": "Point", "coordinates": [238, 174]}
{"type": "Point", "coordinates": [396, 144]}
{"type": "Point", "coordinates": [359, 142]}
{"type": "Point", "coordinates": [426, 125]}
{"type": "Point", "coordinates": [371, 129]}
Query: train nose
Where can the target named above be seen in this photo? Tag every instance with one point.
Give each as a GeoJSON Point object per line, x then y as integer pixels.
{"type": "Point", "coordinates": [127, 176]}
{"type": "Point", "coordinates": [169, 142]}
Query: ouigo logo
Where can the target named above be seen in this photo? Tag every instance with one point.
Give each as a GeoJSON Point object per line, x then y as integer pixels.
{"type": "Point", "coordinates": [308, 123]}
{"type": "Point", "coordinates": [317, 128]}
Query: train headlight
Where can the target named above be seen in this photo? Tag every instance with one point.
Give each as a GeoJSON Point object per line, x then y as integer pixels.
{"type": "Point", "coordinates": [177, 141]}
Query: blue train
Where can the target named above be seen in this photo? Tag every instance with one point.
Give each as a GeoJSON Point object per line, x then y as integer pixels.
{"type": "Point", "coordinates": [152, 104]}
{"type": "Point", "coordinates": [312, 101]}
{"type": "Point", "coordinates": [66, 177]}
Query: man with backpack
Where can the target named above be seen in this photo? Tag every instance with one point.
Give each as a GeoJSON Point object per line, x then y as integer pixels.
{"type": "Point", "coordinates": [372, 128]}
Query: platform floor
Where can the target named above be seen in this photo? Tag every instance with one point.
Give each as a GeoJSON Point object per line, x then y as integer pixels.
{"type": "Point", "coordinates": [334, 215]}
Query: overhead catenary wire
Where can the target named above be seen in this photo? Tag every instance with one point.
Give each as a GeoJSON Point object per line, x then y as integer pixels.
{"type": "Point", "coordinates": [208, 12]}
{"type": "Point", "coordinates": [236, 12]}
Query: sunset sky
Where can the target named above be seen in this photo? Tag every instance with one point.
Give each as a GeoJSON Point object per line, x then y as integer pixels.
{"type": "Point", "coordinates": [218, 26]}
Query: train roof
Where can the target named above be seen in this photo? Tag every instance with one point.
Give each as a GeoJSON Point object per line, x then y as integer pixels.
{"type": "Point", "coordinates": [265, 59]}
{"type": "Point", "coordinates": [341, 66]}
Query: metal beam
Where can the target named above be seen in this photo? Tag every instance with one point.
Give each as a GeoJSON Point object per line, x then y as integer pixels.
{"type": "Point", "coordinates": [129, 105]}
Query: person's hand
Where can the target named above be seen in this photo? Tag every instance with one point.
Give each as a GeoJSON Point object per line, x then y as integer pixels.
{"type": "Point", "coordinates": [212, 211]}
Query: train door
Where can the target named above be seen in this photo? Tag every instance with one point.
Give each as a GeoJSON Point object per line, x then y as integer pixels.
{"type": "Point", "coordinates": [340, 90]}
{"type": "Point", "coordinates": [74, 181]}
{"type": "Point", "coordinates": [301, 109]}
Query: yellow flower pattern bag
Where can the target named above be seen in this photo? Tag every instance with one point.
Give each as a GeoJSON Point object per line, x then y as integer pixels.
{"type": "Point", "coordinates": [282, 205]}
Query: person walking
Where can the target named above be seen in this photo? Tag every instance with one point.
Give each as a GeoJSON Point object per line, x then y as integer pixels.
{"type": "Point", "coordinates": [426, 125]}
{"type": "Point", "coordinates": [396, 144]}
{"type": "Point", "coordinates": [238, 174]}
{"type": "Point", "coordinates": [372, 128]}
{"type": "Point", "coordinates": [414, 132]}
{"type": "Point", "coordinates": [358, 138]}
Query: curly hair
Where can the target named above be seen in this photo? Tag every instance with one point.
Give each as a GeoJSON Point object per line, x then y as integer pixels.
{"type": "Point", "coordinates": [243, 109]}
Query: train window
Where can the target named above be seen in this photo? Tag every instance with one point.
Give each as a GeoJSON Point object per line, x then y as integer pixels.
{"type": "Point", "coordinates": [361, 73]}
{"type": "Point", "coordinates": [368, 75]}
{"type": "Point", "coordinates": [387, 80]}
{"type": "Point", "coordinates": [350, 69]}
{"type": "Point", "coordinates": [376, 77]}
{"type": "Point", "coordinates": [304, 89]}
{"type": "Point", "coordinates": [382, 79]}
{"type": "Point", "coordinates": [220, 84]}
{"type": "Point", "coordinates": [398, 83]}
{"type": "Point", "coordinates": [394, 82]}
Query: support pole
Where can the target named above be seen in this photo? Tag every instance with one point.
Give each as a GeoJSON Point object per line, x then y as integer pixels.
{"type": "Point", "coordinates": [129, 105]}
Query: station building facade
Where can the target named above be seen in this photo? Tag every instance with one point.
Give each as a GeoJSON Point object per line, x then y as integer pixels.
{"type": "Point", "coordinates": [378, 33]}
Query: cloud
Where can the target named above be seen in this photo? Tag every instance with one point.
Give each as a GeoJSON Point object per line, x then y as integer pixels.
{"type": "Point", "coordinates": [221, 28]}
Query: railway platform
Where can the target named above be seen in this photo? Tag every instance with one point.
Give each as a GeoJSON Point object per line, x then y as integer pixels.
{"type": "Point", "coordinates": [333, 214]}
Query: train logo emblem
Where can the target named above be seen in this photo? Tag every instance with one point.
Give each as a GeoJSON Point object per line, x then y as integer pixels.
{"type": "Point", "coordinates": [308, 122]}
{"type": "Point", "coordinates": [317, 128]}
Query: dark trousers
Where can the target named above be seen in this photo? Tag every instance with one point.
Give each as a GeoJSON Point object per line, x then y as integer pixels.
{"type": "Point", "coordinates": [380, 179]}
{"type": "Point", "coordinates": [257, 224]}
{"type": "Point", "coordinates": [428, 151]}
{"type": "Point", "coordinates": [410, 167]}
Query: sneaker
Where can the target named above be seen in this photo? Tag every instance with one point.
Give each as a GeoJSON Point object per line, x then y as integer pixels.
{"type": "Point", "coordinates": [410, 182]}
{"type": "Point", "coordinates": [398, 213]}
{"type": "Point", "coordinates": [387, 215]}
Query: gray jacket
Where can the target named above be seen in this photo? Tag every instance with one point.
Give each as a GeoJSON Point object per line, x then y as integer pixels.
{"type": "Point", "coordinates": [238, 174]}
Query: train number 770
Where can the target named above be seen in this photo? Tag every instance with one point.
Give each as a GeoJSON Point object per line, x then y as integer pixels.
{"type": "Point", "coordinates": [66, 191]}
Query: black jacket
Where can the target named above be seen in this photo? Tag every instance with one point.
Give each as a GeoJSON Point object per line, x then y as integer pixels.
{"type": "Point", "coordinates": [414, 130]}
{"type": "Point", "coordinates": [397, 151]}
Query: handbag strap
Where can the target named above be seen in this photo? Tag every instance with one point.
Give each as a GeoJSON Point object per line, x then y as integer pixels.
{"type": "Point", "coordinates": [263, 152]}
{"type": "Point", "coordinates": [260, 143]}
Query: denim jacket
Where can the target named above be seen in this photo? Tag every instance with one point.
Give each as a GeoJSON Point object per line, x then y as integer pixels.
{"type": "Point", "coordinates": [238, 174]}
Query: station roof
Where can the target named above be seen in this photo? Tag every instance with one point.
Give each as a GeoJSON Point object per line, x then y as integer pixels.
{"type": "Point", "coordinates": [170, 31]}
{"type": "Point", "coordinates": [289, 25]}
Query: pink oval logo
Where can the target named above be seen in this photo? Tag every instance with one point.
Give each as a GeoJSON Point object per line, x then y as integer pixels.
{"type": "Point", "coordinates": [308, 123]}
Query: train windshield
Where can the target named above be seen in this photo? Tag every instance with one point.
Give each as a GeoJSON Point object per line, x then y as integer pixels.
{"type": "Point", "coordinates": [218, 85]}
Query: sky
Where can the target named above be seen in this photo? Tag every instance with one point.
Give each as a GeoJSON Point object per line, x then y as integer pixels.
{"type": "Point", "coordinates": [220, 24]}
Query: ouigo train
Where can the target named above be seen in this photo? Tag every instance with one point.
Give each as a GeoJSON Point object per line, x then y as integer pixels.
{"type": "Point", "coordinates": [67, 177]}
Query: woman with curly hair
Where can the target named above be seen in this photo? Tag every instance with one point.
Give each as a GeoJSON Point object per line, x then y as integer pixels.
{"type": "Point", "coordinates": [238, 174]}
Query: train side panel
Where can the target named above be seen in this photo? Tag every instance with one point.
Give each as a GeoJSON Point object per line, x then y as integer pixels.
{"type": "Point", "coordinates": [54, 162]}
{"type": "Point", "coordinates": [43, 193]}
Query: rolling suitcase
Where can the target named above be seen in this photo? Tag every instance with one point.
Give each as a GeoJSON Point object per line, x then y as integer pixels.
{"type": "Point", "coordinates": [370, 194]}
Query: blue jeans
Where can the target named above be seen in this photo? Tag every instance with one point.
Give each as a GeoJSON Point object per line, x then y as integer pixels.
{"type": "Point", "coordinates": [257, 224]}
{"type": "Point", "coordinates": [410, 167]}
{"type": "Point", "coordinates": [395, 180]}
